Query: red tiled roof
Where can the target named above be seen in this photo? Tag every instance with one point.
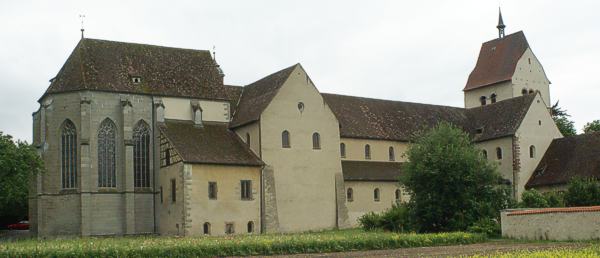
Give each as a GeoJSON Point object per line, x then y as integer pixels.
{"type": "Point", "coordinates": [497, 61]}
{"type": "Point", "coordinates": [555, 210]}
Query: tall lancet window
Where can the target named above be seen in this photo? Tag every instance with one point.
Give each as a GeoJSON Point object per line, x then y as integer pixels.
{"type": "Point", "coordinates": [141, 154]}
{"type": "Point", "coordinates": [68, 144]}
{"type": "Point", "coordinates": [107, 176]}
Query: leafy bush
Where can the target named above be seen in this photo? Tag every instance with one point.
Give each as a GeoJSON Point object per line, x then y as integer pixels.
{"type": "Point", "coordinates": [555, 199]}
{"type": "Point", "coordinates": [370, 221]}
{"type": "Point", "coordinates": [394, 219]}
{"type": "Point", "coordinates": [582, 192]}
{"type": "Point", "coordinates": [533, 199]}
{"type": "Point", "coordinates": [487, 226]}
{"type": "Point", "coordinates": [272, 244]}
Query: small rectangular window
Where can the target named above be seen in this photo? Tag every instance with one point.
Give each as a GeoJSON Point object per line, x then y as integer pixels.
{"type": "Point", "coordinates": [173, 191]}
{"type": "Point", "coordinates": [246, 189]}
{"type": "Point", "coordinates": [212, 190]}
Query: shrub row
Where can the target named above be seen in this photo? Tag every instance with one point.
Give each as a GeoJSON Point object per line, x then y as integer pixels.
{"type": "Point", "coordinates": [336, 241]}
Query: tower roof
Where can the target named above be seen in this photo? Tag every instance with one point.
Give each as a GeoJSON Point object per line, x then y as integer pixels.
{"type": "Point", "coordinates": [500, 21]}
{"type": "Point", "coordinates": [497, 61]}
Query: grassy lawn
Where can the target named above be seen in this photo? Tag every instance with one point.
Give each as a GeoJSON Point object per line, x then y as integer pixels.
{"type": "Point", "coordinates": [153, 246]}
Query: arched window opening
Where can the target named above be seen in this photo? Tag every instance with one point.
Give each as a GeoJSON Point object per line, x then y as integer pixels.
{"type": "Point", "coordinates": [532, 151]}
{"type": "Point", "coordinates": [376, 194]}
{"type": "Point", "coordinates": [141, 154]}
{"type": "Point", "coordinates": [484, 154]}
{"type": "Point", "coordinates": [285, 139]}
{"type": "Point", "coordinates": [531, 91]}
{"type": "Point", "coordinates": [367, 151]}
{"type": "Point", "coordinates": [524, 91]}
{"type": "Point", "coordinates": [391, 154]}
{"type": "Point", "coordinates": [398, 194]}
{"type": "Point", "coordinates": [248, 139]}
{"type": "Point", "coordinates": [343, 150]}
{"type": "Point", "coordinates": [493, 98]}
{"type": "Point", "coordinates": [250, 226]}
{"type": "Point", "coordinates": [68, 150]}
{"type": "Point", "coordinates": [350, 195]}
{"type": "Point", "coordinates": [483, 100]}
{"type": "Point", "coordinates": [206, 228]}
{"type": "Point", "coordinates": [499, 153]}
{"type": "Point", "coordinates": [316, 139]}
{"type": "Point", "coordinates": [107, 154]}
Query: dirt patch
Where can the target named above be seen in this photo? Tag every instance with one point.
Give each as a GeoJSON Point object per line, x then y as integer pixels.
{"type": "Point", "coordinates": [449, 251]}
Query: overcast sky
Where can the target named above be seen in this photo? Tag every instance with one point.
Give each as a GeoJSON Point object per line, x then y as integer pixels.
{"type": "Point", "coordinates": [417, 51]}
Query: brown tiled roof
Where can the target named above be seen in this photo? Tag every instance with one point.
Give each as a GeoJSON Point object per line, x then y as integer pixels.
{"type": "Point", "coordinates": [108, 66]}
{"type": "Point", "coordinates": [257, 96]}
{"type": "Point", "coordinates": [388, 120]}
{"type": "Point", "coordinates": [213, 143]}
{"type": "Point", "coordinates": [497, 60]}
{"type": "Point", "coordinates": [499, 119]}
{"type": "Point", "coordinates": [574, 156]}
{"type": "Point", "coordinates": [398, 121]}
{"type": "Point", "coordinates": [371, 170]}
{"type": "Point", "coordinates": [555, 210]}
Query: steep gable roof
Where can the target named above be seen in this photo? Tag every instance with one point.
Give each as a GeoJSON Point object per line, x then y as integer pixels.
{"type": "Point", "coordinates": [497, 61]}
{"type": "Point", "coordinates": [213, 143]}
{"type": "Point", "coordinates": [257, 96]}
{"type": "Point", "coordinates": [398, 121]}
{"type": "Point", "coordinates": [109, 66]}
{"type": "Point", "coordinates": [574, 156]}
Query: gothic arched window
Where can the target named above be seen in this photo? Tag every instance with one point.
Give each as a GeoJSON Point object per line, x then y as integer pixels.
{"type": "Point", "coordinates": [532, 151]}
{"type": "Point", "coordinates": [484, 154]}
{"type": "Point", "coordinates": [524, 91]}
{"type": "Point", "coordinates": [391, 154]}
{"type": "Point", "coordinates": [206, 228]}
{"type": "Point", "coordinates": [141, 154]}
{"type": "Point", "coordinates": [367, 151]}
{"type": "Point", "coordinates": [285, 139]}
{"type": "Point", "coordinates": [493, 97]}
{"type": "Point", "coordinates": [398, 194]}
{"type": "Point", "coordinates": [68, 140]}
{"type": "Point", "coordinates": [499, 153]}
{"type": "Point", "coordinates": [250, 226]}
{"type": "Point", "coordinates": [107, 176]}
{"type": "Point", "coordinates": [316, 139]}
{"type": "Point", "coordinates": [343, 150]}
{"type": "Point", "coordinates": [376, 194]}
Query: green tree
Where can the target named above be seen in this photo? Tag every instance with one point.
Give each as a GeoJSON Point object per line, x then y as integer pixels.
{"type": "Point", "coordinates": [18, 162]}
{"type": "Point", "coordinates": [582, 192]}
{"type": "Point", "coordinates": [533, 199]}
{"type": "Point", "coordinates": [561, 118]}
{"type": "Point", "coordinates": [452, 186]}
{"type": "Point", "coordinates": [591, 127]}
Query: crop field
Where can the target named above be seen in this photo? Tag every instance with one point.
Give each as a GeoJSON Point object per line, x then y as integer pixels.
{"type": "Point", "coordinates": [270, 244]}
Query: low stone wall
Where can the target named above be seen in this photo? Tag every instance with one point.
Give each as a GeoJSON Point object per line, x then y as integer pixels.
{"type": "Point", "coordinates": [575, 223]}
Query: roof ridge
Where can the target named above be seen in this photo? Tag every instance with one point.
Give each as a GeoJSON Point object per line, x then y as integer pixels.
{"type": "Point", "coordinates": [388, 100]}
{"type": "Point", "coordinates": [144, 44]}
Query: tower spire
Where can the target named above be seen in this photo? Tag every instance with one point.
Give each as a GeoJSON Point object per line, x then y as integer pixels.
{"type": "Point", "coordinates": [501, 25]}
{"type": "Point", "coordinates": [82, 17]}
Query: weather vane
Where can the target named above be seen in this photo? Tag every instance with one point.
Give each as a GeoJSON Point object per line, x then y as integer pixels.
{"type": "Point", "coordinates": [82, 17]}
{"type": "Point", "coordinates": [214, 53]}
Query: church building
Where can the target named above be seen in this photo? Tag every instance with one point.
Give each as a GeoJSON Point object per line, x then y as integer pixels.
{"type": "Point", "coordinates": [144, 139]}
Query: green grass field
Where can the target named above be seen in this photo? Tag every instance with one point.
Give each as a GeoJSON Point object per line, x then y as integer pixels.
{"type": "Point", "coordinates": [153, 246]}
